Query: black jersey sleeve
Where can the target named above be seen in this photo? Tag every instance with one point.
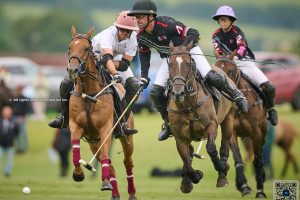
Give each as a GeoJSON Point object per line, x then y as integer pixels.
{"type": "Point", "coordinates": [145, 56]}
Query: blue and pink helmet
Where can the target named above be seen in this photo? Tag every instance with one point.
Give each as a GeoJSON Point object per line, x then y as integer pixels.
{"type": "Point", "coordinates": [225, 11]}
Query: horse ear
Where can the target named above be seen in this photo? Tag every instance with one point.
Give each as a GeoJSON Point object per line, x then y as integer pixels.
{"type": "Point", "coordinates": [171, 45]}
{"type": "Point", "coordinates": [73, 31]}
{"type": "Point", "coordinates": [90, 32]}
{"type": "Point", "coordinates": [189, 46]}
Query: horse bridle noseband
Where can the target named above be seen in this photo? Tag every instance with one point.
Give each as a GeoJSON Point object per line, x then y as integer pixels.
{"type": "Point", "coordinates": [186, 85]}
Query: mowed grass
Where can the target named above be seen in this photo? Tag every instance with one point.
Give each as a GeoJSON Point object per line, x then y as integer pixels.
{"type": "Point", "coordinates": [34, 169]}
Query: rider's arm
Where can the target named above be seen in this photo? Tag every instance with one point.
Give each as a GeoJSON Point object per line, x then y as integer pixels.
{"type": "Point", "coordinates": [107, 60]}
{"type": "Point", "coordinates": [145, 56]}
{"type": "Point", "coordinates": [123, 64]}
{"type": "Point", "coordinates": [240, 42]}
{"type": "Point", "coordinates": [187, 34]}
{"type": "Point", "coordinates": [218, 51]}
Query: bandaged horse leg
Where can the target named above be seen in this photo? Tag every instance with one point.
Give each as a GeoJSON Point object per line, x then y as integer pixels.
{"type": "Point", "coordinates": [113, 182]}
{"type": "Point", "coordinates": [78, 174]}
{"type": "Point", "coordinates": [212, 150]}
{"type": "Point", "coordinates": [127, 146]}
{"type": "Point", "coordinates": [105, 165]}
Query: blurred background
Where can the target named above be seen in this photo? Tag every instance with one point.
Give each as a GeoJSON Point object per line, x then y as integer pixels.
{"type": "Point", "coordinates": [34, 37]}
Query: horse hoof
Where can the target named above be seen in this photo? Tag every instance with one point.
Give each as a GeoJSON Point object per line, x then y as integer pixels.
{"type": "Point", "coordinates": [106, 186]}
{"type": "Point", "coordinates": [115, 198]}
{"type": "Point", "coordinates": [222, 180]}
{"type": "Point", "coordinates": [78, 177]}
{"type": "Point", "coordinates": [186, 185]}
{"type": "Point", "coordinates": [132, 198]}
{"type": "Point", "coordinates": [245, 190]}
{"type": "Point", "coordinates": [195, 176]}
{"type": "Point", "coordinates": [261, 195]}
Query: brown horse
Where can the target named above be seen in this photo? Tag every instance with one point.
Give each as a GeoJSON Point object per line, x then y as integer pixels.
{"type": "Point", "coordinates": [252, 124]}
{"type": "Point", "coordinates": [285, 135]}
{"type": "Point", "coordinates": [193, 116]}
{"type": "Point", "coordinates": [94, 121]}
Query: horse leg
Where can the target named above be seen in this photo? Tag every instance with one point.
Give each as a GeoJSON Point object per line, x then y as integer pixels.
{"type": "Point", "coordinates": [78, 174]}
{"type": "Point", "coordinates": [285, 165]}
{"type": "Point", "coordinates": [105, 160]}
{"type": "Point", "coordinates": [212, 149]}
{"type": "Point", "coordinates": [227, 129]}
{"type": "Point", "coordinates": [188, 171]}
{"type": "Point", "coordinates": [128, 163]}
{"type": "Point", "coordinates": [240, 178]}
{"type": "Point", "coordinates": [113, 181]}
{"type": "Point", "coordinates": [258, 165]}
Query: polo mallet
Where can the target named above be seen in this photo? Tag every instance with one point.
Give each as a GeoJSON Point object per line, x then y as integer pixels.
{"type": "Point", "coordinates": [94, 98]}
{"type": "Point", "coordinates": [197, 155]}
{"type": "Point", "coordinates": [88, 165]}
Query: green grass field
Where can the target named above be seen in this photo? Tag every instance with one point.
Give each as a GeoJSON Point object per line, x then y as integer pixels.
{"type": "Point", "coordinates": [34, 169]}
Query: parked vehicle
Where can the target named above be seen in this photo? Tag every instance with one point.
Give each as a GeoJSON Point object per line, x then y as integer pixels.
{"type": "Point", "coordinates": [21, 71]}
{"type": "Point", "coordinates": [285, 75]}
{"type": "Point", "coordinates": [54, 74]}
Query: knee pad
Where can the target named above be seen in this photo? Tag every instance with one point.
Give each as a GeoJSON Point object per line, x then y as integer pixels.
{"type": "Point", "coordinates": [269, 89]}
{"type": "Point", "coordinates": [65, 88]}
{"type": "Point", "coordinates": [158, 97]}
{"type": "Point", "coordinates": [131, 86]}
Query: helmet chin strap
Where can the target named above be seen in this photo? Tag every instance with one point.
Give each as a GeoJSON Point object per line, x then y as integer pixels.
{"type": "Point", "coordinates": [148, 22]}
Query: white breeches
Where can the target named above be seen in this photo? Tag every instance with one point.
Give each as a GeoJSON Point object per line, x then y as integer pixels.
{"type": "Point", "coordinates": [201, 64]}
{"type": "Point", "coordinates": [252, 71]}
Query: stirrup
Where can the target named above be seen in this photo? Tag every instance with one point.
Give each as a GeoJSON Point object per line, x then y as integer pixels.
{"type": "Point", "coordinates": [165, 132]}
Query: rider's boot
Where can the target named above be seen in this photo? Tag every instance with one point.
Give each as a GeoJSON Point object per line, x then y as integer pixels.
{"type": "Point", "coordinates": [131, 87]}
{"type": "Point", "coordinates": [220, 82]}
{"type": "Point", "coordinates": [62, 119]}
{"type": "Point", "coordinates": [160, 103]}
{"type": "Point", "coordinates": [269, 91]}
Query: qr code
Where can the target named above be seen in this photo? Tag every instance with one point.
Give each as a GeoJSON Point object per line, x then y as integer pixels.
{"type": "Point", "coordinates": [285, 190]}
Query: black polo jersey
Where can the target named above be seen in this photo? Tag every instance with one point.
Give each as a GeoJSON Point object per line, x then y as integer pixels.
{"type": "Point", "coordinates": [230, 41]}
{"type": "Point", "coordinates": [166, 29]}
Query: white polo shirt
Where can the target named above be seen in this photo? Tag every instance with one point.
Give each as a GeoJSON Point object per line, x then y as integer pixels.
{"type": "Point", "coordinates": [108, 39]}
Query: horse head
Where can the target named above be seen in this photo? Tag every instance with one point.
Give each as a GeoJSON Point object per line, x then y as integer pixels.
{"type": "Point", "coordinates": [80, 51]}
{"type": "Point", "coordinates": [182, 69]}
{"type": "Point", "coordinates": [227, 64]}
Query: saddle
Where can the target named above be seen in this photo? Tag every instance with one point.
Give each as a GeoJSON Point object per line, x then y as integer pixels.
{"type": "Point", "coordinates": [255, 89]}
{"type": "Point", "coordinates": [216, 94]}
{"type": "Point", "coordinates": [118, 93]}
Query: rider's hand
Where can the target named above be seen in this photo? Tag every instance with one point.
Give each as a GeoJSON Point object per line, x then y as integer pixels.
{"type": "Point", "coordinates": [144, 82]}
{"type": "Point", "coordinates": [118, 78]}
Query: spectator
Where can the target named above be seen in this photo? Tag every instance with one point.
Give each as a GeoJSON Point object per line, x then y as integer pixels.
{"type": "Point", "coordinates": [21, 107]}
{"type": "Point", "coordinates": [8, 132]}
{"type": "Point", "coordinates": [5, 94]}
{"type": "Point", "coordinates": [62, 144]}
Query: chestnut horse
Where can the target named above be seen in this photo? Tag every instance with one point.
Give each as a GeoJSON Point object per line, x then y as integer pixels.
{"type": "Point", "coordinates": [94, 121]}
{"type": "Point", "coordinates": [252, 124]}
{"type": "Point", "coordinates": [193, 116]}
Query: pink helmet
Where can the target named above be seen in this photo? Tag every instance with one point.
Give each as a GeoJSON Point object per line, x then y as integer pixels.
{"type": "Point", "coordinates": [224, 11]}
{"type": "Point", "coordinates": [126, 22]}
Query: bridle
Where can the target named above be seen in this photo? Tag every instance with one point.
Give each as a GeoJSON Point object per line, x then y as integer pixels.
{"type": "Point", "coordinates": [81, 69]}
{"type": "Point", "coordinates": [181, 80]}
{"type": "Point", "coordinates": [235, 73]}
